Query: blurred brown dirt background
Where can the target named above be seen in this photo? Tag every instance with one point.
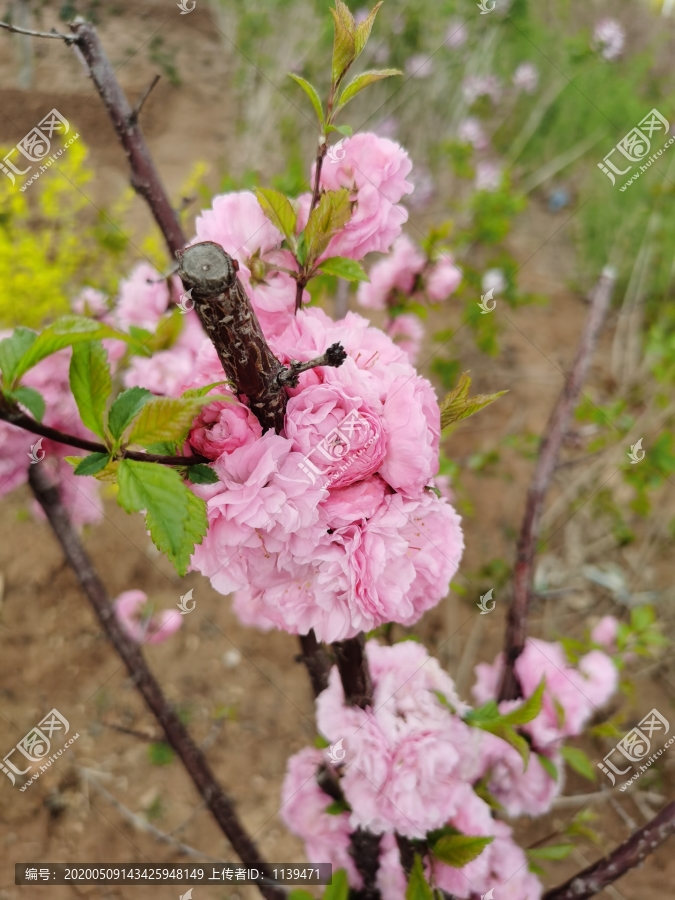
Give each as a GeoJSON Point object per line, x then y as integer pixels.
{"type": "Point", "coordinates": [242, 692]}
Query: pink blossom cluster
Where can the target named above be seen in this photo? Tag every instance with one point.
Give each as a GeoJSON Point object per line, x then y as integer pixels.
{"type": "Point", "coordinates": [407, 270]}
{"type": "Point", "coordinates": [80, 495]}
{"type": "Point", "coordinates": [139, 622]}
{"type": "Point", "coordinates": [411, 765]}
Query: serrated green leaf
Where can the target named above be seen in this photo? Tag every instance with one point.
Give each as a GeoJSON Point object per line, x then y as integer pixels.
{"type": "Point", "coordinates": [174, 516]}
{"type": "Point", "coordinates": [31, 399]}
{"type": "Point", "coordinates": [529, 710]}
{"type": "Point", "coordinates": [310, 90]}
{"type": "Point", "coordinates": [345, 15]}
{"type": "Point", "coordinates": [548, 766]}
{"type": "Point", "coordinates": [331, 214]}
{"type": "Point", "coordinates": [91, 383]}
{"type": "Point", "coordinates": [342, 267]}
{"type": "Point", "coordinates": [556, 851]}
{"type": "Point", "coordinates": [417, 888]}
{"type": "Point", "coordinates": [278, 210]}
{"type": "Point", "coordinates": [338, 889]}
{"type": "Point", "coordinates": [457, 850]}
{"type": "Point", "coordinates": [125, 408]}
{"type": "Point", "coordinates": [64, 332]}
{"type": "Point", "coordinates": [363, 30]}
{"type": "Point", "coordinates": [12, 349]}
{"type": "Point", "coordinates": [576, 759]}
{"type": "Point", "coordinates": [202, 474]}
{"type": "Point", "coordinates": [356, 85]}
{"type": "Point", "coordinates": [488, 713]}
{"type": "Point", "coordinates": [458, 405]}
{"type": "Point", "coordinates": [343, 46]}
{"type": "Point", "coordinates": [164, 419]}
{"type": "Point", "coordinates": [92, 464]}
{"type": "Point", "coordinates": [337, 807]}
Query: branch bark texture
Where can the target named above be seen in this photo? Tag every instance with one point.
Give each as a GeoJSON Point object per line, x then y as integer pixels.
{"type": "Point", "coordinates": [193, 759]}
{"type": "Point", "coordinates": [549, 450]}
{"type": "Point", "coordinates": [631, 853]}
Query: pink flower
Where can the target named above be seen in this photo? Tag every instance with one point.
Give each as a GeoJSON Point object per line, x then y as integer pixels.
{"type": "Point", "coordinates": [471, 132]}
{"type": "Point", "coordinates": [488, 176]}
{"type": "Point", "coordinates": [374, 169]}
{"type": "Point", "coordinates": [303, 810]}
{"type": "Point", "coordinates": [520, 791]}
{"type": "Point", "coordinates": [457, 33]}
{"type": "Point", "coordinates": [605, 632]}
{"type": "Point", "coordinates": [341, 437]}
{"type": "Point", "coordinates": [609, 37]}
{"type": "Point", "coordinates": [141, 628]}
{"type": "Point", "coordinates": [358, 501]}
{"type": "Point", "coordinates": [475, 86]}
{"type": "Point", "coordinates": [526, 77]}
{"type": "Point", "coordinates": [407, 332]}
{"type": "Point", "coordinates": [91, 302]}
{"type": "Point", "coordinates": [143, 299]}
{"type": "Point", "coordinates": [222, 427]}
{"type": "Point", "coordinates": [397, 271]}
{"type": "Point", "coordinates": [443, 279]}
{"type": "Point", "coordinates": [413, 426]}
{"type": "Point", "coordinates": [419, 66]}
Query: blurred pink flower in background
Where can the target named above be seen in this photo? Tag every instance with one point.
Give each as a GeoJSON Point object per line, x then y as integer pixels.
{"type": "Point", "coordinates": [91, 302]}
{"type": "Point", "coordinates": [475, 86]}
{"type": "Point", "coordinates": [407, 332]}
{"type": "Point", "coordinates": [470, 131]}
{"type": "Point", "coordinates": [443, 279]}
{"type": "Point", "coordinates": [493, 280]}
{"type": "Point", "coordinates": [387, 128]}
{"type": "Point", "coordinates": [457, 33]}
{"type": "Point", "coordinates": [140, 628]}
{"type": "Point", "coordinates": [605, 632]}
{"type": "Point", "coordinates": [419, 66]}
{"type": "Point", "coordinates": [397, 271]}
{"type": "Point", "coordinates": [488, 176]}
{"type": "Point", "coordinates": [526, 77]}
{"type": "Point", "coordinates": [425, 189]}
{"type": "Point", "coordinates": [609, 38]}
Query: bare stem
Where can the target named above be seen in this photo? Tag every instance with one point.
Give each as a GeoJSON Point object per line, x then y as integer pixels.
{"type": "Point", "coordinates": [177, 735]}
{"type": "Point", "coordinates": [626, 856]}
{"type": "Point", "coordinates": [317, 661]}
{"type": "Point", "coordinates": [352, 664]}
{"type": "Point", "coordinates": [554, 434]}
{"type": "Point", "coordinates": [20, 420]}
{"type": "Point", "coordinates": [144, 177]}
{"type": "Point", "coordinates": [68, 38]}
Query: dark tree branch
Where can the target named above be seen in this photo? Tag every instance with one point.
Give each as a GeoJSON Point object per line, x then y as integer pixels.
{"type": "Point", "coordinates": [16, 417]}
{"type": "Point", "coordinates": [68, 38]}
{"type": "Point", "coordinates": [317, 661]}
{"type": "Point", "coordinates": [554, 434]}
{"type": "Point", "coordinates": [631, 853]}
{"type": "Point", "coordinates": [364, 849]}
{"type": "Point", "coordinates": [177, 735]}
{"type": "Point", "coordinates": [352, 664]}
{"type": "Point", "coordinates": [334, 357]}
{"type": "Point", "coordinates": [144, 177]}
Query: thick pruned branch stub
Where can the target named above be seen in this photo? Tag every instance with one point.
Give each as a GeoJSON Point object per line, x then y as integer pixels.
{"type": "Point", "coordinates": [225, 311]}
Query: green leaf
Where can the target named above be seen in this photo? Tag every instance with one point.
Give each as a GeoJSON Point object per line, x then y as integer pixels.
{"type": "Point", "coordinates": [529, 710]}
{"type": "Point", "coordinates": [338, 889]}
{"type": "Point", "coordinates": [202, 474]}
{"type": "Point", "coordinates": [443, 700]}
{"type": "Point", "coordinates": [174, 516]}
{"type": "Point", "coordinates": [347, 130]}
{"type": "Point", "coordinates": [91, 383]}
{"type": "Point", "coordinates": [160, 753]}
{"type": "Point", "coordinates": [417, 888]}
{"type": "Point", "coordinates": [64, 332]}
{"type": "Point", "coordinates": [331, 214]}
{"type": "Point", "coordinates": [299, 894]}
{"type": "Point", "coordinates": [164, 419]}
{"type": "Point", "coordinates": [12, 349]}
{"type": "Point", "coordinates": [310, 90]}
{"type": "Point", "coordinates": [458, 405]}
{"type": "Point", "coordinates": [203, 391]}
{"type": "Point", "coordinates": [31, 399]}
{"type": "Point", "coordinates": [356, 85]}
{"type": "Point", "coordinates": [576, 759]}
{"type": "Point", "coordinates": [337, 807]}
{"type": "Point", "coordinates": [548, 766]}
{"type": "Point", "coordinates": [125, 408]}
{"type": "Point", "coordinates": [90, 465]}
{"type": "Point", "coordinates": [320, 742]}
{"type": "Point", "coordinates": [345, 268]}
{"type": "Point", "coordinates": [343, 43]}
{"type": "Point", "coordinates": [517, 741]}
{"type": "Point", "coordinates": [278, 210]}
{"type": "Point", "coordinates": [363, 31]}
{"type": "Point", "coordinates": [556, 851]}
{"type": "Point", "coordinates": [457, 850]}
{"type": "Point", "coordinates": [488, 713]}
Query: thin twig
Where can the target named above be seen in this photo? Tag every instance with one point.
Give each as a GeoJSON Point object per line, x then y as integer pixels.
{"type": "Point", "coordinates": [23, 421]}
{"type": "Point", "coordinates": [144, 177]}
{"type": "Point", "coordinates": [68, 38]}
{"type": "Point", "coordinates": [177, 735]}
{"type": "Point", "coordinates": [138, 105]}
{"type": "Point", "coordinates": [554, 434]}
{"type": "Point", "coordinates": [626, 856]}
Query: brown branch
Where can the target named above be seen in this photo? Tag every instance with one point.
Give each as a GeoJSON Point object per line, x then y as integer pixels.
{"type": "Point", "coordinates": [177, 735]}
{"type": "Point", "coordinates": [364, 849]}
{"type": "Point", "coordinates": [20, 420]}
{"type": "Point", "coordinates": [334, 357]}
{"type": "Point", "coordinates": [317, 661]}
{"type": "Point", "coordinates": [138, 105]}
{"type": "Point", "coordinates": [626, 856]}
{"type": "Point", "coordinates": [352, 664]}
{"type": "Point", "coordinates": [554, 434]}
{"type": "Point", "coordinates": [144, 177]}
{"type": "Point", "coordinates": [68, 38]}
